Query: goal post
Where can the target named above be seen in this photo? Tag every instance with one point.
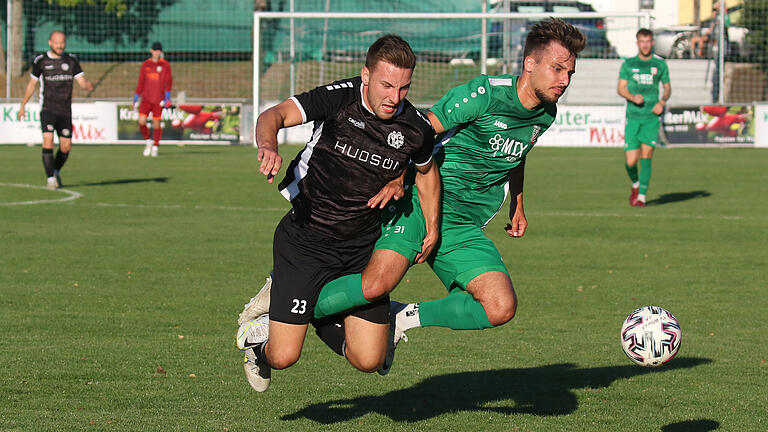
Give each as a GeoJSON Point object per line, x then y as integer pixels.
{"type": "Point", "coordinates": [296, 51]}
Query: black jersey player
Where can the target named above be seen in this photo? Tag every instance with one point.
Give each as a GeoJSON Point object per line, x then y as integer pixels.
{"type": "Point", "coordinates": [365, 134]}
{"type": "Point", "coordinates": [55, 70]}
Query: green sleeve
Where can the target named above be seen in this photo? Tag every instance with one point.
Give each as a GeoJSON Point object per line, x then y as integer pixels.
{"type": "Point", "coordinates": [464, 103]}
{"type": "Point", "coordinates": [665, 73]}
{"type": "Point", "coordinates": [624, 72]}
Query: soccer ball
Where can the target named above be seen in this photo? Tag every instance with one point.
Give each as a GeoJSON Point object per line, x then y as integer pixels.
{"type": "Point", "coordinates": [650, 336]}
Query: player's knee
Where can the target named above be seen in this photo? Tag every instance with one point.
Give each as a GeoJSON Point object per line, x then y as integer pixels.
{"type": "Point", "coordinates": [365, 362]}
{"type": "Point", "coordinates": [502, 308]}
{"type": "Point", "coordinates": [375, 288]}
{"type": "Point", "coordinates": [281, 359]}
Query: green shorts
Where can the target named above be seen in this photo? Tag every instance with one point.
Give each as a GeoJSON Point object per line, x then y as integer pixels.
{"type": "Point", "coordinates": [462, 253]}
{"type": "Point", "coordinates": [641, 131]}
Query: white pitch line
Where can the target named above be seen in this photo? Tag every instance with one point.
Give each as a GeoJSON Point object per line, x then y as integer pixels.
{"type": "Point", "coordinates": [179, 206]}
{"type": "Point", "coordinates": [72, 195]}
{"type": "Point", "coordinates": [640, 214]}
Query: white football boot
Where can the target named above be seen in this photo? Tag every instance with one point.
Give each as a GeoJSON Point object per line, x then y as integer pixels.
{"type": "Point", "coordinates": [52, 183]}
{"type": "Point", "coordinates": [253, 333]}
{"type": "Point", "coordinates": [258, 305]}
{"type": "Point", "coordinates": [258, 373]}
{"type": "Point", "coordinates": [154, 150]}
{"type": "Point", "coordinates": [148, 147]}
{"type": "Point", "coordinates": [396, 334]}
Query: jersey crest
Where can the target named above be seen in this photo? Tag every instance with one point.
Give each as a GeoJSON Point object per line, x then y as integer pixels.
{"type": "Point", "coordinates": [395, 139]}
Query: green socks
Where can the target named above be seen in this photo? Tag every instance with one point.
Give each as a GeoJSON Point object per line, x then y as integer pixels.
{"type": "Point", "coordinates": [340, 295]}
{"type": "Point", "coordinates": [645, 175]}
{"type": "Point", "coordinates": [632, 171]}
{"type": "Point", "coordinates": [458, 311]}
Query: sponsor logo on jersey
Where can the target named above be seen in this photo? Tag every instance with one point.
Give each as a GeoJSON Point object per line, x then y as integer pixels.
{"type": "Point", "coordinates": [535, 134]}
{"type": "Point", "coordinates": [59, 78]}
{"type": "Point", "coordinates": [49, 66]}
{"type": "Point", "coordinates": [367, 157]}
{"type": "Point", "coordinates": [395, 139]}
{"type": "Point", "coordinates": [511, 147]}
{"type": "Point", "coordinates": [500, 124]}
{"type": "Point", "coordinates": [356, 123]}
{"type": "Point", "coordinates": [645, 79]}
{"type": "Point", "coordinates": [64, 67]}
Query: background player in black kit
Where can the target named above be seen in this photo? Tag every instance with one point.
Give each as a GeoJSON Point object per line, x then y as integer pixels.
{"type": "Point", "coordinates": [57, 70]}
{"type": "Point", "coordinates": [365, 133]}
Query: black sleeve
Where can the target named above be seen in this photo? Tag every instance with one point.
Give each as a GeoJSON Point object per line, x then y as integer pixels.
{"type": "Point", "coordinates": [76, 68]}
{"type": "Point", "coordinates": [37, 68]}
{"type": "Point", "coordinates": [424, 153]}
{"type": "Point", "coordinates": [325, 101]}
{"type": "Point", "coordinates": [515, 186]}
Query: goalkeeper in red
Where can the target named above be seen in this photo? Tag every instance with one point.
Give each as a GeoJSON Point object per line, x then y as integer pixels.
{"type": "Point", "coordinates": [486, 129]}
{"type": "Point", "coordinates": [154, 89]}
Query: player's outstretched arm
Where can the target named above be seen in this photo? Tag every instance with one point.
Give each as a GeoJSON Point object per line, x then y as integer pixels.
{"type": "Point", "coordinates": [84, 83]}
{"type": "Point", "coordinates": [428, 187]}
{"type": "Point", "coordinates": [518, 222]}
{"type": "Point", "coordinates": [285, 114]}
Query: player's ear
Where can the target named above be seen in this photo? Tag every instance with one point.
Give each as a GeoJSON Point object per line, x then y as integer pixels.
{"type": "Point", "coordinates": [528, 64]}
{"type": "Point", "coordinates": [365, 74]}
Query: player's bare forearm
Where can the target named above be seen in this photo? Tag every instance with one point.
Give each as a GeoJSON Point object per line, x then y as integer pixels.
{"type": "Point", "coordinates": [429, 190]}
{"type": "Point", "coordinates": [624, 92]}
{"type": "Point", "coordinates": [391, 191]}
{"type": "Point", "coordinates": [518, 223]}
{"type": "Point", "coordinates": [84, 83]}
{"type": "Point", "coordinates": [28, 92]}
{"type": "Point", "coordinates": [285, 114]}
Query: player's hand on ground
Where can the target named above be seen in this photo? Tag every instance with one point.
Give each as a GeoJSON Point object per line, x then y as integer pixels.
{"type": "Point", "coordinates": [391, 191]}
{"type": "Point", "coordinates": [516, 228]}
{"type": "Point", "coordinates": [270, 163]}
{"type": "Point", "coordinates": [637, 99]}
{"type": "Point", "coordinates": [429, 242]}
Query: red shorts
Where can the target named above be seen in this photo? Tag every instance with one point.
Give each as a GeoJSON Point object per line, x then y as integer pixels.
{"type": "Point", "coordinates": [148, 107]}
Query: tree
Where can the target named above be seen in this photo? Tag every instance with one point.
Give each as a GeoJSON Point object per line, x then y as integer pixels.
{"type": "Point", "coordinates": [121, 21]}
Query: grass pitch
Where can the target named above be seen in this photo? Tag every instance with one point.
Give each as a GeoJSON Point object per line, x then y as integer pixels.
{"type": "Point", "coordinates": [119, 304]}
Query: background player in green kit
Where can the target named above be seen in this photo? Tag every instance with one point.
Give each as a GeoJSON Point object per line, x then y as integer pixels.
{"type": "Point", "coordinates": [639, 79]}
{"type": "Point", "coordinates": [487, 127]}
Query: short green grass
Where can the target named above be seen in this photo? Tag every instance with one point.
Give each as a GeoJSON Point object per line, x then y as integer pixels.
{"type": "Point", "coordinates": [118, 308]}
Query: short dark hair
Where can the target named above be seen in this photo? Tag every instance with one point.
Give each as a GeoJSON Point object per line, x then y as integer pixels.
{"type": "Point", "coordinates": [554, 30]}
{"type": "Point", "coordinates": [392, 49]}
{"type": "Point", "coordinates": [644, 32]}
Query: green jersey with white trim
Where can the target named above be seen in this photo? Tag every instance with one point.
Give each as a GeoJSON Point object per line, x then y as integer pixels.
{"type": "Point", "coordinates": [488, 133]}
{"type": "Point", "coordinates": [643, 77]}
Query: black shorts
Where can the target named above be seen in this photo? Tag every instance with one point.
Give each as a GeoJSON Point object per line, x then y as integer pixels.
{"type": "Point", "coordinates": [61, 124]}
{"type": "Point", "coordinates": [304, 261]}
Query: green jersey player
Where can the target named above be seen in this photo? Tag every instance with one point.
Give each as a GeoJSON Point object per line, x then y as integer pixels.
{"type": "Point", "coordinates": [486, 128]}
{"type": "Point", "coordinates": [639, 80]}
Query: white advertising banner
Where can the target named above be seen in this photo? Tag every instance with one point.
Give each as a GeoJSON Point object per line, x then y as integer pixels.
{"type": "Point", "coordinates": [761, 125]}
{"type": "Point", "coordinates": [586, 126]}
{"type": "Point", "coordinates": [93, 123]}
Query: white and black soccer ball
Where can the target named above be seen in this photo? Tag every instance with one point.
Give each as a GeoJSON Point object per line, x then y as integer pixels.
{"type": "Point", "coordinates": [650, 336]}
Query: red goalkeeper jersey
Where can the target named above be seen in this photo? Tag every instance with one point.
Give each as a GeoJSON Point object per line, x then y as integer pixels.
{"type": "Point", "coordinates": [154, 80]}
